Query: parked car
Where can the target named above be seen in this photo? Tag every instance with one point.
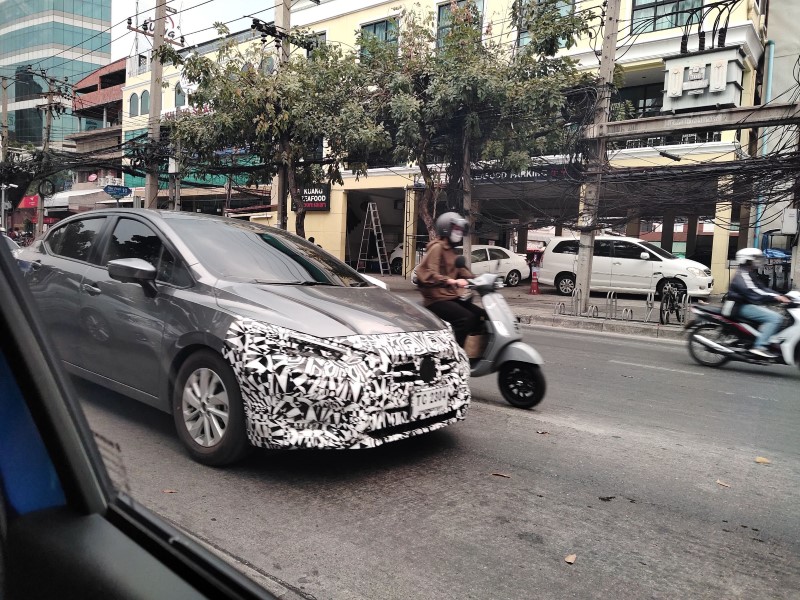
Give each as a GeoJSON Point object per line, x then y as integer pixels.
{"type": "Point", "coordinates": [248, 335]}
{"type": "Point", "coordinates": [396, 259]}
{"type": "Point", "coordinates": [496, 259]}
{"type": "Point", "coordinates": [623, 264]}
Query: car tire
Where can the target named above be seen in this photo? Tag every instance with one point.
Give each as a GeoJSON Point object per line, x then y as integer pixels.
{"type": "Point", "coordinates": [397, 266]}
{"type": "Point", "coordinates": [676, 282]}
{"type": "Point", "coordinates": [565, 284]}
{"type": "Point", "coordinates": [208, 410]}
{"type": "Point", "coordinates": [513, 278]}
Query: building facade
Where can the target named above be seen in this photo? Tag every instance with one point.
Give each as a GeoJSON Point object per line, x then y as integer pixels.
{"type": "Point", "coordinates": [63, 40]}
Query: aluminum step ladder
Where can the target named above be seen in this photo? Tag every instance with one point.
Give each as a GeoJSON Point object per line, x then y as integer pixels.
{"type": "Point", "coordinates": [372, 225]}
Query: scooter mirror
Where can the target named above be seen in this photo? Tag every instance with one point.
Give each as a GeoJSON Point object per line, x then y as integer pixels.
{"type": "Point", "coordinates": [461, 262]}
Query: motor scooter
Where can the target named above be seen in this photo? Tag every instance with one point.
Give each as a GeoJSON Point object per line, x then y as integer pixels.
{"type": "Point", "coordinates": [500, 347]}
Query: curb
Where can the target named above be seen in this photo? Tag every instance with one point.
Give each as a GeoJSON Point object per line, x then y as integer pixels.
{"type": "Point", "coordinates": [654, 330]}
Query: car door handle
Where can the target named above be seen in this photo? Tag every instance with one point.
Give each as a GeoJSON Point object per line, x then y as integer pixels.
{"type": "Point", "coordinates": [90, 289]}
{"type": "Point", "coordinates": [617, 262]}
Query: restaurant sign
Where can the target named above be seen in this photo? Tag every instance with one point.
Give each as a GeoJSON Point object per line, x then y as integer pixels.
{"type": "Point", "coordinates": [316, 197]}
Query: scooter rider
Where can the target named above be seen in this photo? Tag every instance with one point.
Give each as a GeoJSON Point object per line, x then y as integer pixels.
{"type": "Point", "coordinates": [439, 278]}
{"type": "Point", "coordinates": [750, 296]}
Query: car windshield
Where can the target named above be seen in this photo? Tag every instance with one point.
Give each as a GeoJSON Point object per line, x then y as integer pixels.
{"type": "Point", "coordinates": [250, 252]}
{"type": "Point", "coordinates": [658, 251]}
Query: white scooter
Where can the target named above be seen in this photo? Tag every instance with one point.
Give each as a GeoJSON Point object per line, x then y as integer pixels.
{"type": "Point", "coordinates": [500, 347]}
{"type": "Point", "coordinates": [716, 338]}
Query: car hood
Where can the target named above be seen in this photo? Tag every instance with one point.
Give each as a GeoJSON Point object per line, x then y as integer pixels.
{"type": "Point", "coordinates": [326, 311]}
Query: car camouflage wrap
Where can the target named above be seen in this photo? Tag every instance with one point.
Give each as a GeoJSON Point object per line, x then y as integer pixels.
{"type": "Point", "coordinates": [347, 392]}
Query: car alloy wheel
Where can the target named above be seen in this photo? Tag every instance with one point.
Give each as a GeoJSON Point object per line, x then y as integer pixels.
{"type": "Point", "coordinates": [513, 278]}
{"type": "Point", "coordinates": [208, 410]}
{"type": "Point", "coordinates": [565, 284]}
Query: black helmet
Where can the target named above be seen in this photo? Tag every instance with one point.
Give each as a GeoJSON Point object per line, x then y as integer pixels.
{"type": "Point", "coordinates": [448, 221]}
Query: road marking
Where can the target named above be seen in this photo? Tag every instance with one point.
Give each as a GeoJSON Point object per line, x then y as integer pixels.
{"type": "Point", "coordinates": [630, 364]}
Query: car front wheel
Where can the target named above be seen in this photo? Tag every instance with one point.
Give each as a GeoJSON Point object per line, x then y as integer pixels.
{"type": "Point", "coordinates": [208, 411]}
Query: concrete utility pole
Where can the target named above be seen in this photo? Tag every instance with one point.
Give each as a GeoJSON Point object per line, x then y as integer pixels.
{"type": "Point", "coordinates": [48, 126]}
{"type": "Point", "coordinates": [4, 148]}
{"type": "Point", "coordinates": [154, 118]}
{"type": "Point", "coordinates": [283, 25]}
{"type": "Point", "coordinates": [590, 200]}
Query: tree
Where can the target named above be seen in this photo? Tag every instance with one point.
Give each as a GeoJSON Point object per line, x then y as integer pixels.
{"type": "Point", "coordinates": [467, 97]}
{"type": "Point", "coordinates": [277, 117]}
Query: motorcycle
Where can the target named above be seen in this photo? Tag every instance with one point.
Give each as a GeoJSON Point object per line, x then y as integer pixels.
{"type": "Point", "coordinates": [499, 347]}
{"type": "Point", "coordinates": [716, 337]}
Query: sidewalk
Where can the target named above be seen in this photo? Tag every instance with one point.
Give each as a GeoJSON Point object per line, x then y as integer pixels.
{"type": "Point", "coordinates": [541, 309]}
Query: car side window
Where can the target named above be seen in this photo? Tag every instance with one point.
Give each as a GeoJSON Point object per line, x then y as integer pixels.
{"type": "Point", "coordinates": [478, 255]}
{"type": "Point", "coordinates": [76, 239]}
{"type": "Point", "coordinates": [134, 239]}
{"type": "Point", "coordinates": [497, 254]}
{"type": "Point", "coordinates": [602, 248]}
{"type": "Point", "coordinates": [566, 247]}
{"type": "Point", "coordinates": [628, 250]}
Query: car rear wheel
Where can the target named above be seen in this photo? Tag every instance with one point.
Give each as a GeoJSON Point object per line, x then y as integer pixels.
{"type": "Point", "coordinates": [397, 266]}
{"type": "Point", "coordinates": [208, 411]}
{"type": "Point", "coordinates": [513, 278]}
{"type": "Point", "coordinates": [565, 284]}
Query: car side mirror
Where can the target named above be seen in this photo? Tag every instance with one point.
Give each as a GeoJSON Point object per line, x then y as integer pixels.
{"type": "Point", "coordinates": [645, 256]}
{"type": "Point", "coordinates": [134, 270]}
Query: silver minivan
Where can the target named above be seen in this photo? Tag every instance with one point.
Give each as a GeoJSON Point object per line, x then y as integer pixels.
{"type": "Point", "coordinates": [623, 264]}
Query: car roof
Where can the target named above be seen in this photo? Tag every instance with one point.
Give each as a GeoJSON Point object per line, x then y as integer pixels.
{"type": "Point", "coordinates": [620, 238]}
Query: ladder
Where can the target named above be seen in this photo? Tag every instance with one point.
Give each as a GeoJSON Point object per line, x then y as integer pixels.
{"type": "Point", "coordinates": [372, 224]}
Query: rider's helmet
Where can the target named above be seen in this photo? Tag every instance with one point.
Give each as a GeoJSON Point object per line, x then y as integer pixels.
{"type": "Point", "coordinates": [751, 257]}
{"type": "Point", "coordinates": [452, 226]}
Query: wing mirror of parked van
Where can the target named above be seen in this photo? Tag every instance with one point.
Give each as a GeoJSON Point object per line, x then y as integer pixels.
{"type": "Point", "coordinates": [645, 256]}
{"type": "Point", "coordinates": [134, 270]}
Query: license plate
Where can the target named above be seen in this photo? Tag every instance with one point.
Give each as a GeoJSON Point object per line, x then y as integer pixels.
{"type": "Point", "coordinates": [428, 400]}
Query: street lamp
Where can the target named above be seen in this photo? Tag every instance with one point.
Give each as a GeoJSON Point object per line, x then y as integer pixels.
{"type": "Point", "coordinates": [4, 187]}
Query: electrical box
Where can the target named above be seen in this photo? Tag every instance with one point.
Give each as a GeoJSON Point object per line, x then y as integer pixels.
{"type": "Point", "coordinates": [703, 80]}
{"type": "Point", "coordinates": [789, 222]}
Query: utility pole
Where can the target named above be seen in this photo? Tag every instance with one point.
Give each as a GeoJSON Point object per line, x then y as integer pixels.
{"type": "Point", "coordinates": [282, 24]}
{"type": "Point", "coordinates": [154, 118]}
{"type": "Point", "coordinates": [590, 200]}
{"type": "Point", "coordinates": [4, 148]}
{"type": "Point", "coordinates": [48, 126]}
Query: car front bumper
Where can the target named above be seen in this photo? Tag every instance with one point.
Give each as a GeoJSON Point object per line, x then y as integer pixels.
{"type": "Point", "coordinates": [353, 392]}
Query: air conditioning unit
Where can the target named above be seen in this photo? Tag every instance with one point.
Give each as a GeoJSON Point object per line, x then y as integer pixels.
{"type": "Point", "coordinates": [655, 141]}
{"type": "Point", "coordinates": [689, 138]}
{"type": "Point", "coordinates": [633, 144]}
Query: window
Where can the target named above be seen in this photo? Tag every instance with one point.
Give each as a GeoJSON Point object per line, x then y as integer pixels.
{"type": "Point", "coordinates": [319, 40]}
{"type": "Point", "coordinates": [566, 247]}
{"type": "Point", "coordinates": [565, 7]}
{"type": "Point", "coordinates": [478, 255]}
{"type": "Point", "coordinates": [180, 97]}
{"type": "Point", "coordinates": [145, 104]}
{"type": "Point", "coordinates": [384, 31]}
{"type": "Point", "coordinates": [646, 100]}
{"type": "Point", "coordinates": [443, 21]}
{"type": "Point", "coordinates": [76, 239]}
{"type": "Point", "coordinates": [602, 248]}
{"type": "Point", "coordinates": [497, 254]}
{"type": "Point", "coordinates": [133, 105]}
{"type": "Point", "coordinates": [653, 15]}
{"type": "Point", "coordinates": [133, 239]}
{"type": "Point", "coordinates": [628, 250]}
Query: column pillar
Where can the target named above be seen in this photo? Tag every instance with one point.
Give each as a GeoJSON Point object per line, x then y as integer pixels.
{"type": "Point", "coordinates": [668, 230]}
{"type": "Point", "coordinates": [633, 228]}
{"type": "Point", "coordinates": [522, 239]}
{"type": "Point", "coordinates": [719, 248]}
{"type": "Point", "coordinates": [691, 235]}
{"type": "Point", "coordinates": [744, 227]}
{"type": "Point", "coordinates": [410, 218]}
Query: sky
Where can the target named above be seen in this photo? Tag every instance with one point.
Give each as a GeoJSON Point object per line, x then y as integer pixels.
{"type": "Point", "coordinates": [194, 20]}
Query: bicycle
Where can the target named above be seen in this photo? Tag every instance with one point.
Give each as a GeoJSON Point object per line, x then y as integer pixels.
{"type": "Point", "coordinates": [671, 304]}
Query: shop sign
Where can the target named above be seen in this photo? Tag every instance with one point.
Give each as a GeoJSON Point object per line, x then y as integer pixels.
{"type": "Point", "coordinates": [317, 197]}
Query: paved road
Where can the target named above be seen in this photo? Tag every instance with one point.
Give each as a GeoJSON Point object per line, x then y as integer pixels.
{"type": "Point", "coordinates": [624, 474]}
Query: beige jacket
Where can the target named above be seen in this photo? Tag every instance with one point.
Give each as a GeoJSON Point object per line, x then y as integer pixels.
{"type": "Point", "coordinates": [437, 266]}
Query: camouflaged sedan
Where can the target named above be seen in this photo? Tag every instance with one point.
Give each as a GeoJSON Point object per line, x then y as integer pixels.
{"type": "Point", "coordinates": [248, 335]}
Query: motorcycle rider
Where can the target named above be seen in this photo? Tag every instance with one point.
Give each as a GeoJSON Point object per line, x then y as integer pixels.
{"type": "Point", "coordinates": [439, 278]}
{"type": "Point", "coordinates": [750, 296]}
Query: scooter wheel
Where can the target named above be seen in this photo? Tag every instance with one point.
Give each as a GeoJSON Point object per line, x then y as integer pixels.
{"type": "Point", "coordinates": [522, 384]}
{"type": "Point", "coordinates": [701, 353]}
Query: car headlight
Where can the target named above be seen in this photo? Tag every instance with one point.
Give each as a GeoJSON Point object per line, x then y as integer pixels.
{"type": "Point", "coordinates": [696, 272]}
